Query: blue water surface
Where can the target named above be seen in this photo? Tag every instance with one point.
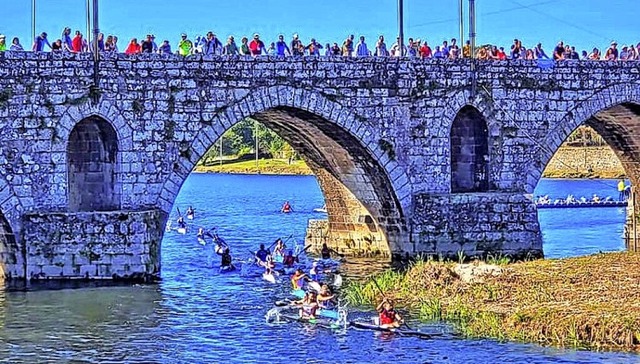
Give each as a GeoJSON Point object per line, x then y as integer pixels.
{"type": "Point", "coordinates": [197, 315]}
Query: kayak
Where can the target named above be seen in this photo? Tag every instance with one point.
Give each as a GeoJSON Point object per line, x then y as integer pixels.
{"type": "Point", "coordinates": [190, 216]}
{"type": "Point", "coordinates": [325, 323]}
{"type": "Point", "coordinates": [181, 230]}
{"type": "Point", "coordinates": [398, 331]}
{"type": "Point", "coordinates": [269, 277]}
{"type": "Point", "coordinates": [227, 268]}
{"type": "Point", "coordinates": [202, 241]}
{"type": "Point", "coordinates": [322, 209]}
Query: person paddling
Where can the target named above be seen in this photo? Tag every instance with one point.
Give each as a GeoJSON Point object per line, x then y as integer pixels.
{"type": "Point", "coordinates": [181, 223]}
{"type": "Point", "coordinates": [309, 305]}
{"type": "Point", "coordinates": [326, 251]}
{"type": "Point", "coordinates": [226, 260]}
{"type": "Point", "coordinates": [286, 208]}
{"type": "Point", "coordinates": [261, 255]}
{"type": "Point", "coordinates": [325, 297]}
{"type": "Point", "coordinates": [289, 259]}
{"type": "Point", "coordinates": [191, 212]}
{"type": "Point", "coordinates": [298, 278]}
{"type": "Point", "coordinates": [389, 318]}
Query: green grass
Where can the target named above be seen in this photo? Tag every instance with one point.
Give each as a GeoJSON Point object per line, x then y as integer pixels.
{"type": "Point", "coordinates": [265, 166]}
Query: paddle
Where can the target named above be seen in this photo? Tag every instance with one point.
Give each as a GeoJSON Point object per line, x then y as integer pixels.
{"type": "Point", "coordinates": [385, 297]}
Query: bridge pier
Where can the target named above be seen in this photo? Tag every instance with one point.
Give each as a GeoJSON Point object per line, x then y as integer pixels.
{"type": "Point", "coordinates": [476, 224]}
{"type": "Point", "coordinates": [93, 245]}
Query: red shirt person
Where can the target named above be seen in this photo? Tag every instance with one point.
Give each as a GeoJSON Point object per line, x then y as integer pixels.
{"type": "Point", "coordinates": [76, 43]}
{"type": "Point", "coordinates": [133, 47]}
{"type": "Point", "coordinates": [256, 46]}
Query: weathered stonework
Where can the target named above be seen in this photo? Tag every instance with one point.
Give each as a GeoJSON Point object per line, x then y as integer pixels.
{"type": "Point", "coordinates": [381, 127]}
{"type": "Point", "coordinates": [93, 244]}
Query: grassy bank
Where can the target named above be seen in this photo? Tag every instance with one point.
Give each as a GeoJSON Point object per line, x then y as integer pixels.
{"type": "Point", "coordinates": [587, 302]}
{"type": "Point", "coordinates": [265, 166]}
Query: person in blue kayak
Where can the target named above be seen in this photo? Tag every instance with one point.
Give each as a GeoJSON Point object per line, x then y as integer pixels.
{"type": "Point", "coordinates": [286, 208]}
{"type": "Point", "coordinates": [280, 247]}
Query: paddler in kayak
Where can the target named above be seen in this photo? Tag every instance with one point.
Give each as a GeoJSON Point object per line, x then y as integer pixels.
{"type": "Point", "coordinates": [279, 249]}
{"type": "Point", "coordinates": [286, 208]}
{"type": "Point", "coordinates": [326, 251]}
{"type": "Point", "coordinates": [289, 259]}
{"type": "Point", "coordinates": [309, 305]}
{"type": "Point", "coordinates": [181, 223]}
{"type": "Point", "coordinates": [261, 255]}
{"type": "Point", "coordinates": [389, 318]}
{"type": "Point", "coordinates": [325, 297]}
{"type": "Point", "coordinates": [191, 212]}
{"type": "Point", "coordinates": [298, 278]}
{"type": "Point", "coordinates": [226, 259]}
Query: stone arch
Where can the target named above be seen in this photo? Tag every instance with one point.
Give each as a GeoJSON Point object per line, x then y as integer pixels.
{"type": "Point", "coordinates": [360, 156]}
{"type": "Point", "coordinates": [107, 111]}
{"type": "Point", "coordinates": [469, 140]}
{"type": "Point", "coordinates": [614, 113]}
{"type": "Point", "coordinates": [93, 166]}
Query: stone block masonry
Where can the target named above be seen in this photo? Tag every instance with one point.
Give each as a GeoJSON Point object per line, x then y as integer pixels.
{"type": "Point", "coordinates": [83, 245]}
{"type": "Point", "coordinates": [408, 157]}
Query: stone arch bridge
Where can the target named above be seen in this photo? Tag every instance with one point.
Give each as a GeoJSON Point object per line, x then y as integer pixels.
{"type": "Point", "coordinates": [413, 156]}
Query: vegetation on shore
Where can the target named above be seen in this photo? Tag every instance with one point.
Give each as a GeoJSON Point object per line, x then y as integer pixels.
{"type": "Point", "coordinates": [590, 302]}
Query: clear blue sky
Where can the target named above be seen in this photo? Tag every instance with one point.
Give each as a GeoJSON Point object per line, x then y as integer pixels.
{"type": "Point", "coordinates": [583, 23]}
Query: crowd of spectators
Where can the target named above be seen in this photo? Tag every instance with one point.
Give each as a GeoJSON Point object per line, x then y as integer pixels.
{"type": "Point", "coordinates": [210, 44]}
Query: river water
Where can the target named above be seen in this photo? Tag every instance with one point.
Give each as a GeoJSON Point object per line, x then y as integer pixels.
{"type": "Point", "coordinates": [197, 315]}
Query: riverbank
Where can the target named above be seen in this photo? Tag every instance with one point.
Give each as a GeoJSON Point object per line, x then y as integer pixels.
{"type": "Point", "coordinates": [587, 162]}
{"type": "Point", "coordinates": [265, 166]}
{"type": "Point", "coordinates": [590, 302]}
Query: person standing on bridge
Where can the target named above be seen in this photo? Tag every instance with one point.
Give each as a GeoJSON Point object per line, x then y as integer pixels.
{"type": "Point", "coordinates": [230, 49]}
{"type": "Point", "coordinates": [15, 45]}
{"type": "Point", "coordinates": [256, 46]}
{"type": "Point", "coordinates": [185, 46]}
{"type": "Point", "coordinates": [381, 47]}
{"type": "Point", "coordinates": [3, 43]}
{"type": "Point", "coordinates": [361, 49]}
{"type": "Point", "coordinates": [40, 42]}
{"type": "Point", "coordinates": [281, 47]}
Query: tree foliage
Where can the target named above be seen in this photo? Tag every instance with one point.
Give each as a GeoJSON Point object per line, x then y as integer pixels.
{"type": "Point", "coordinates": [240, 140]}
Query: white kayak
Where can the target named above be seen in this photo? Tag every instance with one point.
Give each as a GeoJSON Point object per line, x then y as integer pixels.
{"type": "Point", "coordinates": [181, 230]}
{"type": "Point", "coordinates": [269, 277]}
{"type": "Point", "coordinates": [190, 216]}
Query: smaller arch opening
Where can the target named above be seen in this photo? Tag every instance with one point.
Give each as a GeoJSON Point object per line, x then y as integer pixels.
{"type": "Point", "coordinates": [469, 152]}
{"type": "Point", "coordinates": [92, 166]}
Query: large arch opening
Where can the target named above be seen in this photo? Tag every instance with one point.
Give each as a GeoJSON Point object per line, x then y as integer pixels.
{"type": "Point", "coordinates": [597, 156]}
{"type": "Point", "coordinates": [364, 213]}
{"type": "Point", "coordinates": [92, 166]}
{"type": "Point", "coordinates": [469, 152]}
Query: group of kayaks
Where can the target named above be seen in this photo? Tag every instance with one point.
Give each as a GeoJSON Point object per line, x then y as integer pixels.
{"type": "Point", "coordinates": [284, 264]}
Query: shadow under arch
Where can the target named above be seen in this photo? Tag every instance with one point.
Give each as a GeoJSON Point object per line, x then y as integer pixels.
{"type": "Point", "coordinates": [93, 166]}
{"type": "Point", "coordinates": [363, 185]}
{"type": "Point", "coordinates": [469, 138]}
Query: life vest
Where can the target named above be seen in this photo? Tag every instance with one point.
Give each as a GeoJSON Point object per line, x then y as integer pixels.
{"type": "Point", "coordinates": [387, 317]}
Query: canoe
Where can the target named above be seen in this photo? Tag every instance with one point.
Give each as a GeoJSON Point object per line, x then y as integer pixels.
{"type": "Point", "coordinates": [398, 331]}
